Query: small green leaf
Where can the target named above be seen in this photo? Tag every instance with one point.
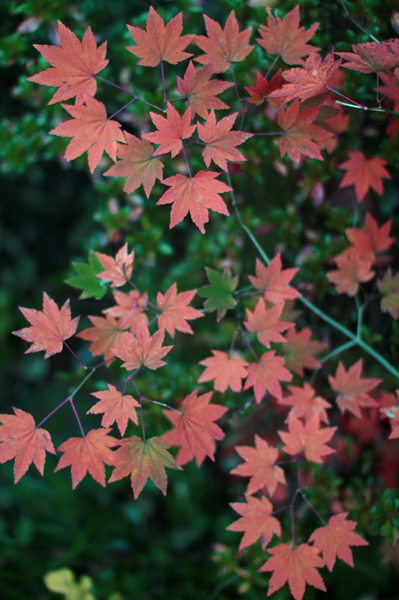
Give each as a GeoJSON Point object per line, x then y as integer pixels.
{"type": "Point", "coordinates": [86, 279]}
{"type": "Point", "coordinates": [62, 581]}
{"type": "Point", "coordinates": [219, 292]}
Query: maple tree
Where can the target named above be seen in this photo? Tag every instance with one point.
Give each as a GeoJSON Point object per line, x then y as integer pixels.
{"type": "Point", "coordinates": [267, 352]}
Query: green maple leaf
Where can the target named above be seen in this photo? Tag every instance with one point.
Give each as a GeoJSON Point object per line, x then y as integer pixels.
{"type": "Point", "coordinates": [389, 288]}
{"type": "Point", "coordinates": [219, 292]}
{"type": "Point", "coordinates": [86, 279]}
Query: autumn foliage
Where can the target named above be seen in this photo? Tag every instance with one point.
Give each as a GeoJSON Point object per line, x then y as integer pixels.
{"type": "Point", "coordinates": [271, 359]}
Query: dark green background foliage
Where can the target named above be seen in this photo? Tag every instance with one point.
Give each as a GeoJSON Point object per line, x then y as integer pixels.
{"type": "Point", "coordinates": [53, 213]}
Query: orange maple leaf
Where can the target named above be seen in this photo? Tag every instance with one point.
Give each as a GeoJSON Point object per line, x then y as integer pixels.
{"type": "Point", "coordinates": [256, 521]}
{"type": "Point", "coordinates": [21, 439]}
{"type": "Point", "coordinates": [227, 371]}
{"type": "Point", "coordinates": [137, 164]}
{"type": "Point", "coordinates": [195, 427]}
{"type": "Point", "coordinates": [175, 310]}
{"type": "Point", "coordinates": [87, 454]}
{"type": "Point", "coordinates": [285, 38]}
{"type": "Point", "coordinates": [310, 80]}
{"type": "Point", "coordinates": [335, 538]}
{"type": "Point", "coordinates": [160, 43]}
{"type": "Point", "coordinates": [299, 350]}
{"type": "Point", "coordinates": [273, 282]}
{"type": "Point", "coordinates": [308, 438]}
{"type": "Point", "coordinates": [300, 132]}
{"type": "Point", "coordinates": [223, 46]}
{"type": "Point", "coordinates": [49, 328]}
{"type": "Point", "coordinates": [74, 65]}
{"type": "Point", "coordinates": [142, 349]}
{"type": "Point", "coordinates": [266, 323]}
{"type": "Point", "coordinates": [370, 57]}
{"type": "Point", "coordinates": [364, 173]}
{"type": "Point", "coordinates": [171, 131]}
{"type": "Point", "coordinates": [266, 374]}
{"type": "Point", "coordinates": [200, 91]}
{"type": "Point", "coordinates": [370, 241]}
{"type": "Point", "coordinates": [260, 466]}
{"type": "Point", "coordinates": [118, 270]}
{"type": "Point", "coordinates": [143, 459]}
{"type": "Point", "coordinates": [352, 390]}
{"type": "Point", "coordinates": [91, 130]}
{"type": "Point", "coordinates": [295, 565]}
{"type": "Point", "coordinates": [389, 288]}
{"type": "Point", "coordinates": [352, 270]}
{"type": "Point", "coordinates": [195, 195]}
{"type": "Point", "coordinates": [129, 309]}
{"type": "Point", "coordinates": [116, 408]}
{"type": "Point", "coordinates": [264, 88]}
{"type": "Point", "coordinates": [105, 335]}
{"type": "Point", "coordinates": [305, 403]}
{"type": "Point", "coordinates": [221, 141]}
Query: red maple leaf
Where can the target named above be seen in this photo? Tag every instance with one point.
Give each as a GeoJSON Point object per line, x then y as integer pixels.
{"type": "Point", "coordinates": [91, 130]}
{"type": "Point", "coordinates": [129, 310]}
{"type": "Point", "coordinates": [143, 459]}
{"type": "Point", "coordinates": [370, 241]}
{"type": "Point", "coordinates": [175, 310]}
{"type": "Point", "coordinates": [49, 328]}
{"type": "Point", "coordinates": [260, 466]}
{"type": "Point", "coordinates": [105, 335]}
{"type": "Point", "coordinates": [256, 521]}
{"type": "Point", "coordinates": [285, 38]}
{"type": "Point", "coordinates": [184, 454]}
{"type": "Point", "coordinates": [221, 141]}
{"type": "Point", "coordinates": [222, 47]}
{"type": "Point", "coordinates": [195, 427]}
{"type": "Point", "coordinates": [200, 91]}
{"type": "Point", "coordinates": [74, 65]}
{"type": "Point", "coordinates": [160, 43]}
{"type": "Point", "coordinates": [364, 173]}
{"type": "Point", "coordinates": [195, 195]}
{"type": "Point", "coordinates": [225, 370]}
{"type": "Point", "coordinates": [87, 454]}
{"type": "Point", "coordinates": [352, 270]}
{"type": "Point", "coordinates": [308, 438]}
{"type": "Point", "coordinates": [391, 87]}
{"type": "Point", "coordinates": [335, 538]}
{"type": "Point", "coordinates": [273, 282]}
{"type": "Point", "coordinates": [305, 403]}
{"type": "Point", "coordinates": [116, 408]}
{"type": "Point", "coordinates": [300, 132]}
{"type": "Point", "coordinates": [299, 350]}
{"type": "Point", "coordinates": [171, 131]}
{"type": "Point", "coordinates": [352, 390]}
{"type": "Point", "coordinates": [370, 57]}
{"type": "Point", "coordinates": [310, 80]}
{"type": "Point", "coordinates": [266, 374]}
{"type": "Point", "coordinates": [142, 349]}
{"type": "Point", "coordinates": [264, 88]}
{"type": "Point", "coordinates": [266, 323]}
{"type": "Point", "coordinates": [118, 270]}
{"type": "Point", "coordinates": [295, 565]}
{"type": "Point", "coordinates": [137, 164]}
{"type": "Point", "coordinates": [21, 439]}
